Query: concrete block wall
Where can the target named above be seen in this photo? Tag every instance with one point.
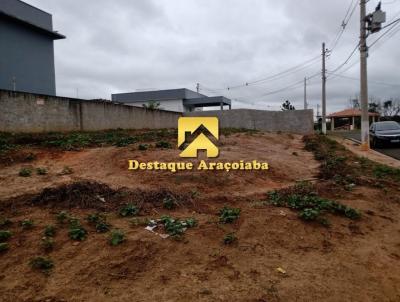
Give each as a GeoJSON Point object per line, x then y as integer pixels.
{"type": "Point", "coordinates": [294, 121]}
{"type": "Point", "coordinates": [26, 112]}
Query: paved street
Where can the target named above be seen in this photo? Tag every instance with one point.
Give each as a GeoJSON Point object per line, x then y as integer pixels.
{"type": "Point", "coordinates": [393, 151]}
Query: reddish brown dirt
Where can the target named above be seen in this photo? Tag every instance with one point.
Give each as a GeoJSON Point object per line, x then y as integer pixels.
{"type": "Point", "coordinates": [350, 261]}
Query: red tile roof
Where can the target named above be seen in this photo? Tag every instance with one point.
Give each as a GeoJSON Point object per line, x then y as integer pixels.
{"type": "Point", "coordinates": [351, 112]}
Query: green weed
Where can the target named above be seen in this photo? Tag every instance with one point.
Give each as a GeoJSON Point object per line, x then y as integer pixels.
{"type": "Point", "coordinates": [228, 215]}
{"type": "Point", "coordinates": [116, 237]}
{"type": "Point", "coordinates": [25, 172]}
{"type": "Point", "coordinates": [50, 230]}
{"type": "Point", "coordinates": [41, 171]}
{"type": "Point", "coordinates": [43, 264]}
{"type": "Point", "coordinates": [27, 224]}
{"type": "Point", "coordinates": [129, 210]}
{"type": "Point", "coordinates": [62, 217]}
{"type": "Point", "coordinates": [5, 235]}
{"type": "Point", "coordinates": [143, 147]}
{"type": "Point", "coordinates": [229, 238]}
{"type": "Point", "coordinates": [163, 145]}
{"type": "Point", "coordinates": [4, 247]}
{"type": "Point", "coordinates": [169, 203]}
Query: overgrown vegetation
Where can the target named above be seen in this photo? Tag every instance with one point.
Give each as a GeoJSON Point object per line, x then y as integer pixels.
{"type": "Point", "coordinates": [228, 215]}
{"type": "Point", "coordinates": [303, 198]}
{"type": "Point", "coordinates": [43, 264]}
{"type": "Point", "coordinates": [50, 230]}
{"type": "Point", "coordinates": [79, 140]}
{"type": "Point", "coordinates": [345, 168]}
{"type": "Point", "coordinates": [169, 203]}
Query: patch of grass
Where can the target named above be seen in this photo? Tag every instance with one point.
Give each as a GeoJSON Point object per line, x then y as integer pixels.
{"type": "Point", "coordinates": [41, 171]}
{"type": "Point", "coordinates": [228, 215]}
{"type": "Point", "coordinates": [43, 264]}
{"type": "Point", "coordinates": [310, 206]}
{"type": "Point", "coordinates": [50, 230]}
{"type": "Point", "coordinates": [229, 238]}
{"type": "Point", "coordinates": [163, 145]}
{"type": "Point", "coordinates": [4, 247]}
{"type": "Point", "coordinates": [117, 237]}
{"type": "Point", "coordinates": [27, 224]}
{"type": "Point", "coordinates": [5, 235]}
{"type": "Point", "coordinates": [382, 171]}
{"type": "Point", "coordinates": [25, 172]}
{"type": "Point", "coordinates": [129, 210]}
{"type": "Point", "coordinates": [169, 203]}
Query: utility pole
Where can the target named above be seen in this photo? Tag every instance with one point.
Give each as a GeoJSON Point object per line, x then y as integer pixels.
{"type": "Point", "coordinates": [371, 23]}
{"type": "Point", "coordinates": [198, 87]}
{"type": "Point", "coordinates": [305, 93]}
{"type": "Point", "coordinates": [14, 83]}
{"type": "Point", "coordinates": [323, 89]}
{"type": "Point", "coordinates": [363, 78]}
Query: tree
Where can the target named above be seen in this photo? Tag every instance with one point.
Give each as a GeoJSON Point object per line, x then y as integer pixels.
{"type": "Point", "coordinates": [286, 105]}
{"type": "Point", "coordinates": [152, 105]}
{"type": "Point", "coordinates": [374, 107]}
{"type": "Point", "coordinates": [391, 108]}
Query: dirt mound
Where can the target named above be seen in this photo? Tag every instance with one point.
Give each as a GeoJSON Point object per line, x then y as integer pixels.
{"type": "Point", "coordinates": [99, 196]}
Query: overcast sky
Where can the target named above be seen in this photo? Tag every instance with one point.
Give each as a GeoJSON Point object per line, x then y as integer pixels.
{"type": "Point", "coordinates": [129, 45]}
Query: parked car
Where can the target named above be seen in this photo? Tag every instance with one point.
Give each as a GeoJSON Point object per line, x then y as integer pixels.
{"type": "Point", "coordinates": [384, 133]}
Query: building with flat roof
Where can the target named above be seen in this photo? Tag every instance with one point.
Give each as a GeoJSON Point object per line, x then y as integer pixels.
{"type": "Point", "coordinates": [178, 100]}
{"type": "Point", "coordinates": [26, 48]}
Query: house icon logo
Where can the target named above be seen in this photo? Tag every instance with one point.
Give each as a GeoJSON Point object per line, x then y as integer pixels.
{"type": "Point", "coordinates": [197, 127]}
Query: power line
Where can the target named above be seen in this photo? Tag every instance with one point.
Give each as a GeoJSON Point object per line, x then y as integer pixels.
{"type": "Point", "coordinates": [349, 13]}
{"type": "Point", "coordinates": [347, 60]}
{"type": "Point", "coordinates": [393, 24]}
{"type": "Point", "coordinates": [306, 64]}
{"type": "Point", "coordinates": [357, 79]}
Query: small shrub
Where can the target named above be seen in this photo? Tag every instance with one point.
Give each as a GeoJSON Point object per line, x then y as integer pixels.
{"type": "Point", "coordinates": [116, 237]}
{"type": "Point", "coordinates": [5, 235]}
{"type": "Point", "coordinates": [25, 172]}
{"type": "Point", "coordinates": [176, 227]}
{"type": "Point", "coordinates": [47, 244]}
{"type": "Point", "coordinates": [42, 263]}
{"type": "Point", "coordinates": [67, 171]}
{"type": "Point", "coordinates": [99, 221]}
{"type": "Point", "coordinates": [228, 215]}
{"type": "Point", "coordinates": [163, 145]}
{"type": "Point", "coordinates": [125, 141]}
{"type": "Point", "coordinates": [129, 210]}
{"type": "Point", "coordinates": [143, 147]}
{"type": "Point", "coordinates": [50, 231]}
{"type": "Point", "coordinates": [4, 247]}
{"type": "Point", "coordinates": [76, 230]}
{"type": "Point", "coordinates": [169, 203]}
{"type": "Point", "coordinates": [62, 217]}
{"type": "Point", "coordinates": [41, 171]}
{"type": "Point", "coordinates": [230, 238]}
{"type": "Point", "coordinates": [309, 214]}
{"type": "Point", "coordinates": [27, 224]}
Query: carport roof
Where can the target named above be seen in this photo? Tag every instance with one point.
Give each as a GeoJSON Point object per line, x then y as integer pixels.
{"type": "Point", "coordinates": [350, 112]}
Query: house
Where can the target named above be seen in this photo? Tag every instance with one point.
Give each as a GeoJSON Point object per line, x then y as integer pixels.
{"type": "Point", "coordinates": [27, 48]}
{"type": "Point", "coordinates": [178, 100]}
{"type": "Point", "coordinates": [349, 119]}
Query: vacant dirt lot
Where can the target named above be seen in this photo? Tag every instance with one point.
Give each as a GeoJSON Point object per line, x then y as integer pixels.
{"type": "Point", "coordinates": [277, 256]}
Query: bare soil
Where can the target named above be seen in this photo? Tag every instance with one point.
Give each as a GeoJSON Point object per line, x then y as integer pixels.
{"type": "Point", "coordinates": [349, 261]}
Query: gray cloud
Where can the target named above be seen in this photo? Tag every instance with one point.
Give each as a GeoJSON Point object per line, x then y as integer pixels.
{"type": "Point", "coordinates": [124, 45]}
